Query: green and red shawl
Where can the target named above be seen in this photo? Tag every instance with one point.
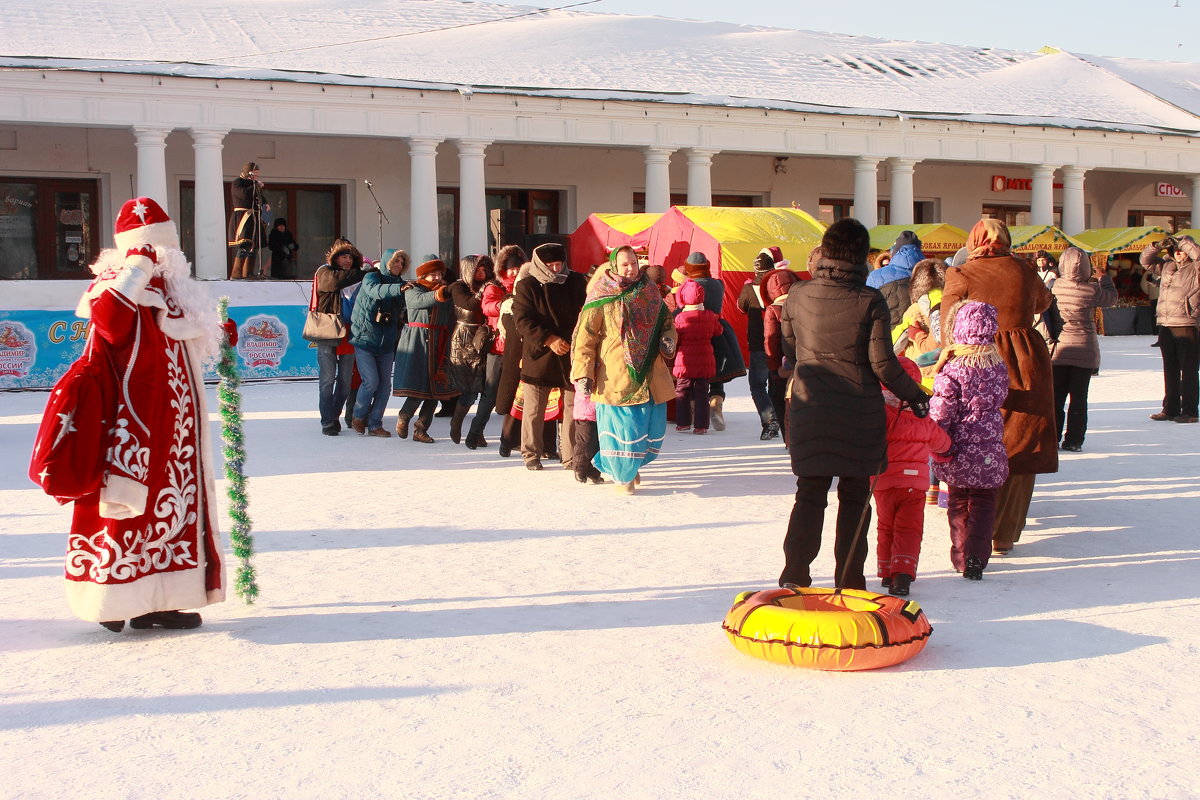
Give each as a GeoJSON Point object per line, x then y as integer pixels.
{"type": "Point", "coordinates": [640, 313]}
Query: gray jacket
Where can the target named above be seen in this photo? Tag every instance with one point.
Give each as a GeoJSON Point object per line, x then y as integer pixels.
{"type": "Point", "coordinates": [1178, 284]}
{"type": "Point", "coordinates": [1078, 295]}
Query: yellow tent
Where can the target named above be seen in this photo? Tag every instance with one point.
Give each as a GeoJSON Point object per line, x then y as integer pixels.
{"type": "Point", "coordinates": [600, 233]}
{"type": "Point", "coordinates": [1192, 232]}
{"type": "Point", "coordinates": [937, 238]}
{"type": "Point", "coordinates": [1119, 240]}
{"type": "Point", "coordinates": [732, 237]}
{"type": "Point", "coordinates": [1031, 238]}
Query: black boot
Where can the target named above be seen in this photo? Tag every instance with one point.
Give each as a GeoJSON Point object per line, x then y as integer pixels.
{"type": "Point", "coordinates": [973, 569]}
{"type": "Point", "coordinates": [456, 422]}
{"type": "Point", "coordinates": [900, 584]}
{"type": "Point", "coordinates": [476, 441]}
{"type": "Point", "coordinates": [116, 626]}
{"type": "Point", "coordinates": [174, 620]}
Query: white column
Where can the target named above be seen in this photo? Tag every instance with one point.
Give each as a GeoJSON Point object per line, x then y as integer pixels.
{"type": "Point", "coordinates": [1041, 210]}
{"type": "Point", "coordinates": [472, 200]}
{"type": "Point", "coordinates": [211, 232]}
{"type": "Point", "coordinates": [151, 143]}
{"type": "Point", "coordinates": [1073, 216]}
{"type": "Point", "coordinates": [658, 179]}
{"type": "Point", "coordinates": [423, 218]}
{"type": "Point", "coordinates": [1195, 200]}
{"type": "Point", "coordinates": [902, 170]}
{"type": "Point", "coordinates": [699, 170]}
{"type": "Point", "coordinates": [866, 191]}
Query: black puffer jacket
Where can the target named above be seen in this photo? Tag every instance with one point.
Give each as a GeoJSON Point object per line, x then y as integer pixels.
{"type": "Point", "coordinates": [836, 331]}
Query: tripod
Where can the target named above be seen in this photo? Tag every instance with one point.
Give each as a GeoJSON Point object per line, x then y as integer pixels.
{"type": "Point", "coordinates": [382, 216]}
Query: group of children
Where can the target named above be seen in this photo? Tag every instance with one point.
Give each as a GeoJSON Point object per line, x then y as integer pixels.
{"type": "Point", "coordinates": [963, 436]}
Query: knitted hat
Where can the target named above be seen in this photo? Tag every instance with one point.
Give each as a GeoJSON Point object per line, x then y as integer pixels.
{"type": "Point", "coordinates": [142, 221]}
{"type": "Point", "coordinates": [975, 323]}
{"type": "Point", "coordinates": [764, 261]}
{"type": "Point", "coordinates": [846, 240]}
{"type": "Point", "coordinates": [697, 265]}
{"type": "Point", "coordinates": [906, 237]}
{"type": "Point", "coordinates": [691, 293]}
{"type": "Point", "coordinates": [430, 267]}
{"type": "Point", "coordinates": [550, 252]}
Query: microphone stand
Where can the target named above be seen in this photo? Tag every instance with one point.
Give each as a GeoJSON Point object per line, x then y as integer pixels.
{"type": "Point", "coordinates": [382, 217]}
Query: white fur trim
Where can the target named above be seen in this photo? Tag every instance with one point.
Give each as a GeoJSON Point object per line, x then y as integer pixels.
{"type": "Point", "coordinates": [159, 234]}
{"type": "Point", "coordinates": [122, 498]}
{"type": "Point", "coordinates": [162, 591]}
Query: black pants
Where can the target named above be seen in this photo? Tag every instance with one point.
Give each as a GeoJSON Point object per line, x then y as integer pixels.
{"type": "Point", "coordinates": [1180, 348]}
{"type": "Point", "coordinates": [1071, 382]}
{"type": "Point", "coordinates": [777, 391]}
{"type": "Point", "coordinates": [803, 540]}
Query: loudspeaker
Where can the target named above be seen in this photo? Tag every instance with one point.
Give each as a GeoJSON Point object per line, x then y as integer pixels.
{"type": "Point", "coordinates": [508, 226]}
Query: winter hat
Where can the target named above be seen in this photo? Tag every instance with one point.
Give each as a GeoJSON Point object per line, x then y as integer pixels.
{"type": "Point", "coordinates": [764, 261]}
{"type": "Point", "coordinates": [846, 240]}
{"type": "Point", "coordinates": [1189, 247]}
{"type": "Point", "coordinates": [691, 294]}
{"type": "Point", "coordinates": [906, 237]}
{"type": "Point", "coordinates": [550, 252]}
{"type": "Point", "coordinates": [697, 266]}
{"type": "Point", "coordinates": [142, 221]}
{"type": "Point", "coordinates": [430, 267]}
{"type": "Point", "coordinates": [777, 257]}
{"type": "Point", "coordinates": [975, 323]}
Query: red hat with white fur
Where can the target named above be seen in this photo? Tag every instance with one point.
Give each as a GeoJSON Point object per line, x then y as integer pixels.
{"type": "Point", "coordinates": [143, 221]}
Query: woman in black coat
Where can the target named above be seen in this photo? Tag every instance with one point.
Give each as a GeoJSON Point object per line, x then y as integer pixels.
{"type": "Point", "coordinates": [837, 349]}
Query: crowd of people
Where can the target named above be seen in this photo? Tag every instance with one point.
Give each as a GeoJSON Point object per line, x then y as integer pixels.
{"type": "Point", "coordinates": [971, 372]}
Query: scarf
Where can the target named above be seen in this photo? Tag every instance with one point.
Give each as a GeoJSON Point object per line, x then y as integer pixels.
{"type": "Point", "coordinates": [976, 356]}
{"type": "Point", "coordinates": [640, 314]}
{"type": "Point", "coordinates": [989, 237]}
{"type": "Point", "coordinates": [543, 273]}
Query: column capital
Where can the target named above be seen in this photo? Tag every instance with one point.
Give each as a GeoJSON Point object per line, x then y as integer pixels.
{"type": "Point", "coordinates": [1072, 171]}
{"type": "Point", "coordinates": [423, 145]}
{"type": "Point", "coordinates": [208, 137]}
{"type": "Point", "coordinates": [1043, 170]}
{"type": "Point", "coordinates": [151, 134]}
{"type": "Point", "coordinates": [866, 163]}
{"type": "Point", "coordinates": [903, 163]}
{"type": "Point", "coordinates": [701, 155]}
{"type": "Point", "coordinates": [472, 147]}
{"type": "Point", "coordinates": [657, 154]}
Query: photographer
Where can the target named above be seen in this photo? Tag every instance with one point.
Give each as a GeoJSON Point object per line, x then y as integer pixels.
{"type": "Point", "coordinates": [374, 330]}
{"type": "Point", "coordinates": [1172, 264]}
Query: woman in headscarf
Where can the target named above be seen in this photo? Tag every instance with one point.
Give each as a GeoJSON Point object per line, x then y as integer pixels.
{"type": "Point", "coordinates": [993, 275]}
{"type": "Point", "coordinates": [622, 334]}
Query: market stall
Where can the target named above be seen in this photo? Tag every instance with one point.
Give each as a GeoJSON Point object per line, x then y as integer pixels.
{"type": "Point", "coordinates": [938, 240]}
{"type": "Point", "coordinates": [1028, 239]}
{"type": "Point", "coordinates": [601, 233]}
{"type": "Point", "coordinates": [1116, 249]}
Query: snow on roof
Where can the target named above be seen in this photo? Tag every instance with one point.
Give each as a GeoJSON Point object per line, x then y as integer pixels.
{"type": "Point", "coordinates": [451, 43]}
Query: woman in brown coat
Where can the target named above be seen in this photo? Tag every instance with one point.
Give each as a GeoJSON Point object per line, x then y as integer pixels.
{"type": "Point", "coordinates": [993, 275]}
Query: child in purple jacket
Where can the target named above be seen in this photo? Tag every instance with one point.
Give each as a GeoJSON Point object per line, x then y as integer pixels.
{"type": "Point", "coordinates": [695, 365]}
{"type": "Point", "coordinates": [970, 386]}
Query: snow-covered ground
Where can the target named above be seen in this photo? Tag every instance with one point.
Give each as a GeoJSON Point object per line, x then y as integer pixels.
{"type": "Point", "coordinates": [441, 623]}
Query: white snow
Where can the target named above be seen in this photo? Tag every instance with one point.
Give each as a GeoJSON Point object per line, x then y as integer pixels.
{"type": "Point", "coordinates": [441, 623]}
{"type": "Point", "coordinates": [522, 50]}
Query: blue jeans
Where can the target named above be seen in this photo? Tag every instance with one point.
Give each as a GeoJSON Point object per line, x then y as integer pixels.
{"type": "Point", "coordinates": [757, 376]}
{"type": "Point", "coordinates": [333, 383]}
{"type": "Point", "coordinates": [375, 369]}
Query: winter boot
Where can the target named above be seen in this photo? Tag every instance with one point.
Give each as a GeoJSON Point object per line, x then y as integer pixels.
{"type": "Point", "coordinates": [770, 430]}
{"type": "Point", "coordinates": [116, 625]}
{"type": "Point", "coordinates": [421, 435]}
{"type": "Point", "coordinates": [716, 412]}
{"type": "Point", "coordinates": [174, 620]}
{"type": "Point", "coordinates": [456, 423]}
{"type": "Point", "coordinates": [402, 426]}
{"type": "Point", "coordinates": [900, 583]}
{"type": "Point", "coordinates": [359, 426]}
{"type": "Point", "coordinates": [973, 570]}
{"type": "Point", "coordinates": [476, 441]}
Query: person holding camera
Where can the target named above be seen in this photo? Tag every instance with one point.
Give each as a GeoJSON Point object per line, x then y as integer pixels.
{"type": "Point", "coordinates": [1172, 265]}
{"type": "Point", "coordinates": [374, 330]}
{"type": "Point", "coordinates": [247, 233]}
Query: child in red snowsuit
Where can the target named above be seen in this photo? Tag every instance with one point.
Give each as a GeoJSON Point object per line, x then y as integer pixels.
{"type": "Point", "coordinates": [900, 490]}
{"type": "Point", "coordinates": [695, 364]}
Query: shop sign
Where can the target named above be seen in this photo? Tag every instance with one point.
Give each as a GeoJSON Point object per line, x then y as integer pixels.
{"type": "Point", "coordinates": [1168, 190]}
{"type": "Point", "coordinates": [1002, 183]}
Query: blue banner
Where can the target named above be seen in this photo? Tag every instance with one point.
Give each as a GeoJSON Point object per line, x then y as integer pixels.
{"type": "Point", "coordinates": [37, 346]}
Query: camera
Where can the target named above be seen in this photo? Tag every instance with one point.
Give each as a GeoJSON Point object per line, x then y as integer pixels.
{"type": "Point", "coordinates": [383, 317]}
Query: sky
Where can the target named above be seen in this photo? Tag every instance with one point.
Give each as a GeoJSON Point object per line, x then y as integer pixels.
{"type": "Point", "coordinates": [1150, 29]}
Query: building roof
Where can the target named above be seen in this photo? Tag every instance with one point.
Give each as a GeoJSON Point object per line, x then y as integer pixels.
{"type": "Point", "coordinates": [487, 47]}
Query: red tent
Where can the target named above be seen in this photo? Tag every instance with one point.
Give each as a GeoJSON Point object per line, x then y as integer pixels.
{"type": "Point", "coordinates": [600, 233]}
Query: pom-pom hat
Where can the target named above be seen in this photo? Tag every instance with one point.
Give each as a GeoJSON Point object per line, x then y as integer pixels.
{"type": "Point", "coordinates": [143, 221]}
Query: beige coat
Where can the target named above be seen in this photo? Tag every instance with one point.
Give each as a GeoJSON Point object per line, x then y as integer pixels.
{"type": "Point", "coordinates": [597, 352]}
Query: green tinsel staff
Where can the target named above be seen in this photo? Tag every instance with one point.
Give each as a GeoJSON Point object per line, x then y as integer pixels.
{"type": "Point", "coordinates": [235, 457]}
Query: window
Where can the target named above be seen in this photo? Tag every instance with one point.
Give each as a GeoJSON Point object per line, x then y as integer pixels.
{"type": "Point", "coordinates": [831, 210]}
{"type": "Point", "coordinates": [313, 213]}
{"type": "Point", "coordinates": [1171, 221]}
{"type": "Point", "coordinates": [49, 228]}
{"type": "Point", "coordinates": [1017, 215]}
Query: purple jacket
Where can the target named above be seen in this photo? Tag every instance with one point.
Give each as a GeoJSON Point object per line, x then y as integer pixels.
{"type": "Point", "coordinates": [966, 402]}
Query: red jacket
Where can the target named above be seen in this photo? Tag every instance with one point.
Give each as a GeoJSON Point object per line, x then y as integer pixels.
{"type": "Point", "coordinates": [910, 440]}
{"type": "Point", "coordinates": [694, 355]}
{"type": "Point", "coordinates": [493, 296]}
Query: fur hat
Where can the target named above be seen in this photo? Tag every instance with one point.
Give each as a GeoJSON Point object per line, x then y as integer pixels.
{"type": "Point", "coordinates": [975, 323]}
{"type": "Point", "coordinates": [143, 221]}
{"type": "Point", "coordinates": [846, 240]}
{"type": "Point", "coordinates": [550, 252]}
{"type": "Point", "coordinates": [691, 293]}
{"type": "Point", "coordinates": [697, 266]}
{"type": "Point", "coordinates": [430, 267]}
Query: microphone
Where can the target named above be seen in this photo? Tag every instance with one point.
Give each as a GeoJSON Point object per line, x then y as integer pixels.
{"type": "Point", "coordinates": [368, 183]}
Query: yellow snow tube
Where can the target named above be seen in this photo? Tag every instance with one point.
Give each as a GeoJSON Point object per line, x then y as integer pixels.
{"type": "Point", "coordinates": [832, 629]}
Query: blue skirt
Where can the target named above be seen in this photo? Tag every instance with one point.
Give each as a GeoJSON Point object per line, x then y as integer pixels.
{"type": "Point", "coordinates": [630, 437]}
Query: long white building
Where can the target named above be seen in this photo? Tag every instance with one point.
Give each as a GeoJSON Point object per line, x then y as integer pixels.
{"type": "Point", "coordinates": [453, 108]}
